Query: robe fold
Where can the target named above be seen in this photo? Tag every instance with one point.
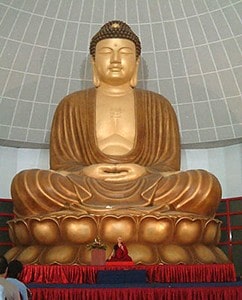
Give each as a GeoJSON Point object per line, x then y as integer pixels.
{"type": "Point", "coordinates": [74, 145]}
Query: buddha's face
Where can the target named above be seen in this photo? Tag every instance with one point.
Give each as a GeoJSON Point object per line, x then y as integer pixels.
{"type": "Point", "coordinates": [115, 61]}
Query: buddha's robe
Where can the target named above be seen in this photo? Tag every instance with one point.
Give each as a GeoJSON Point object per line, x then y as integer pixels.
{"type": "Point", "coordinates": [74, 146]}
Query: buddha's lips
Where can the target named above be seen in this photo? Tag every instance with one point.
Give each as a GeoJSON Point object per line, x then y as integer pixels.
{"type": "Point", "coordinates": [115, 171]}
{"type": "Point", "coordinates": [115, 68]}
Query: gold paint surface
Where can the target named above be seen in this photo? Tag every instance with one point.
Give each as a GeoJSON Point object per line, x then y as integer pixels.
{"type": "Point", "coordinates": [150, 239]}
{"type": "Point", "coordinates": [115, 171]}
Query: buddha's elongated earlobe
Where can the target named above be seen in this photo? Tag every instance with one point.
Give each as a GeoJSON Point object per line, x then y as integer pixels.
{"type": "Point", "coordinates": [95, 77]}
{"type": "Point", "coordinates": [134, 79]}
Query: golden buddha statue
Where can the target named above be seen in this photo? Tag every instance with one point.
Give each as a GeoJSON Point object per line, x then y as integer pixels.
{"type": "Point", "coordinates": [115, 170]}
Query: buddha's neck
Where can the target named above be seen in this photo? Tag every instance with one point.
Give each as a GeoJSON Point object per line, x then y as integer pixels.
{"type": "Point", "coordinates": [114, 91]}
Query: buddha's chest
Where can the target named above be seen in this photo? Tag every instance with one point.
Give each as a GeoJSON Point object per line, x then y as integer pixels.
{"type": "Point", "coordinates": [115, 124]}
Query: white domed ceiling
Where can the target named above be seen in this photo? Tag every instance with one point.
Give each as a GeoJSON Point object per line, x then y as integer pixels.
{"type": "Point", "coordinates": [191, 54]}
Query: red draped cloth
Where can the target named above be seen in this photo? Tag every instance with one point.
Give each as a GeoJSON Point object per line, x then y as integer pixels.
{"type": "Point", "coordinates": [155, 273]}
{"type": "Point", "coordinates": [191, 293]}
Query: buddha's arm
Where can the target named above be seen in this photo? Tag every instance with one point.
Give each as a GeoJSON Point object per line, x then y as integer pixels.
{"type": "Point", "coordinates": [68, 135]}
{"type": "Point", "coordinates": [70, 167]}
{"type": "Point", "coordinates": [161, 167]}
{"type": "Point", "coordinates": [159, 146]}
{"type": "Point", "coordinates": [167, 143]}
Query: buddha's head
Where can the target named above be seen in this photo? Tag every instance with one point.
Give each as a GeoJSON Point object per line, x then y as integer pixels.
{"type": "Point", "coordinates": [115, 29]}
{"type": "Point", "coordinates": [115, 46]}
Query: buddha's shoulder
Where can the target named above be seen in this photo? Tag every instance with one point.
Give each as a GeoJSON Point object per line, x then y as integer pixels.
{"type": "Point", "coordinates": [77, 96]}
{"type": "Point", "coordinates": [153, 96]}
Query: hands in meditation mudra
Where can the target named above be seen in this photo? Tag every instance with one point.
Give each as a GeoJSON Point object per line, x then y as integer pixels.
{"type": "Point", "coordinates": [115, 170]}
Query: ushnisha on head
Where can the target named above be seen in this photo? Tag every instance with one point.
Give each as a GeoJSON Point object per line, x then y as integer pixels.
{"type": "Point", "coordinates": [115, 29]}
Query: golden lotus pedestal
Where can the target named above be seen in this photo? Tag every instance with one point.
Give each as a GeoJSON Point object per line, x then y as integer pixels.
{"type": "Point", "coordinates": [151, 239]}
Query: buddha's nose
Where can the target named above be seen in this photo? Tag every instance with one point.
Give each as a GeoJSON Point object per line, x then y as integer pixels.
{"type": "Point", "coordinates": [115, 57]}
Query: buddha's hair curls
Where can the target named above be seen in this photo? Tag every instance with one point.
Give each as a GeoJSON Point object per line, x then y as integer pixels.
{"type": "Point", "coordinates": [115, 29]}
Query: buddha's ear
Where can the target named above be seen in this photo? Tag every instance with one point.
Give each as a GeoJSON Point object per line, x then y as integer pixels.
{"type": "Point", "coordinates": [134, 79]}
{"type": "Point", "coordinates": [95, 77]}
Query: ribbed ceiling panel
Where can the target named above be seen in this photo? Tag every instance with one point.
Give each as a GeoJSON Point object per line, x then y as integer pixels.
{"type": "Point", "coordinates": [191, 54]}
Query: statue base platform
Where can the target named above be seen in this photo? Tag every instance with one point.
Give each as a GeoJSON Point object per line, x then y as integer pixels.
{"type": "Point", "coordinates": [151, 239]}
{"type": "Point", "coordinates": [209, 281]}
